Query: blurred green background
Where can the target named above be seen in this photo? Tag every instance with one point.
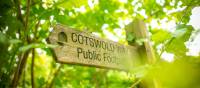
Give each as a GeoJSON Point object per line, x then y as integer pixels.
{"type": "Point", "coordinates": [26, 59]}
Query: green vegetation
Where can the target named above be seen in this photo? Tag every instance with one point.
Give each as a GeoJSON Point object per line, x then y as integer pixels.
{"type": "Point", "coordinates": [26, 59]}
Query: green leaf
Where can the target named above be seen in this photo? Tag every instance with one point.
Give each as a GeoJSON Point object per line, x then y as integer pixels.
{"type": "Point", "coordinates": [181, 35]}
{"type": "Point", "coordinates": [180, 32]}
{"type": "Point", "coordinates": [160, 36]}
{"type": "Point", "coordinates": [130, 37]}
{"type": "Point", "coordinates": [185, 31]}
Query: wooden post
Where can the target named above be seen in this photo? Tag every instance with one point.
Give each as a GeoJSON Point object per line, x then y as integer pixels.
{"type": "Point", "coordinates": [138, 29]}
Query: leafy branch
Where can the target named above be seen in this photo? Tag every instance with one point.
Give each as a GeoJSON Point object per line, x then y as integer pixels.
{"type": "Point", "coordinates": [166, 45]}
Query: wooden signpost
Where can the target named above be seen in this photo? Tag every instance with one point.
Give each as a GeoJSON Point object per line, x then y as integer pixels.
{"type": "Point", "coordinates": [76, 47]}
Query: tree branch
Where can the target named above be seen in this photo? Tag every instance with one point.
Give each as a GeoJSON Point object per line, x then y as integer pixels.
{"type": "Point", "coordinates": [23, 60]}
{"type": "Point", "coordinates": [19, 14]}
{"type": "Point", "coordinates": [55, 75]}
{"type": "Point", "coordinates": [32, 68]}
{"type": "Point", "coordinates": [26, 20]}
{"type": "Point", "coordinates": [136, 83]}
{"type": "Point", "coordinates": [27, 13]}
{"type": "Point", "coordinates": [24, 79]}
{"type": "Point", "coordinates": [33, 3]}
{"type": "Point", "coordinates": [36, 29]}
{"type": "Point", "coordinates": [20, 67]}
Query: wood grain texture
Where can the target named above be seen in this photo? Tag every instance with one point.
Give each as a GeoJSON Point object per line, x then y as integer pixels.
{"type": "Point", "coordinates": [146, 52]}
{"type": "Point", "coordinates": [76, 47]}
{"type": "Point", "coordinates": [139, 30]}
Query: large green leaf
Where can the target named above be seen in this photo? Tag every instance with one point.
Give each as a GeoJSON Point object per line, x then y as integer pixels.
{"type": "Point", "coordinates": [177, 44]}
{"type": "Point", "coordinates": [160, 36]}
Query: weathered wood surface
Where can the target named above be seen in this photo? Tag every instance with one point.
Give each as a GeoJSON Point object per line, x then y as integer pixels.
{"type": "Point", "coordinates": [139, 30]}
{"type": "Point", "coordinates": [76, 47]}
{"type": "Point", "coordinates": [146, 52]}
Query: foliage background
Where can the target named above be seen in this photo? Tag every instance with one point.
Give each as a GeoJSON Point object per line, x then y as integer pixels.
{"type": "Point", "coordinates": [26, 59]}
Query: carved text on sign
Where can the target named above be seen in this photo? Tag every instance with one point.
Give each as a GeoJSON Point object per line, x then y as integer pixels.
{"type": "Point", "coordinates": [77, 47]}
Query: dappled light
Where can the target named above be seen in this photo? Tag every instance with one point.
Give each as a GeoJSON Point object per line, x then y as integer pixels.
{"type": "Point", "coordinates": [99, 44]}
